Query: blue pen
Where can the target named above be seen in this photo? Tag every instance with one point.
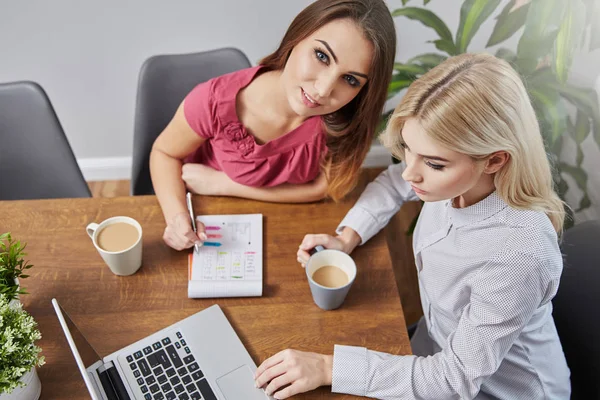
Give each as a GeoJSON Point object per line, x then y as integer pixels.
{"type": "Point", "coordinates": [215, 244]}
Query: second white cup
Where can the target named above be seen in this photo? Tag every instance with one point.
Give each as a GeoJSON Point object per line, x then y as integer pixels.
{"type": "Point", "coordinates": [125, 261]}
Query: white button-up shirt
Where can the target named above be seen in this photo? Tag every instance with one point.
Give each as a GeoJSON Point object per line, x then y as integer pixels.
{"type": "Point", "coordinates": [487, 275]}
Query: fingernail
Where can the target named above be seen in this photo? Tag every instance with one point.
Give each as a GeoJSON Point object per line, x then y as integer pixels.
{"type": "Point", "coordinates": [255, 383]}
{"type": "Point", "coordinates": [203, 236]}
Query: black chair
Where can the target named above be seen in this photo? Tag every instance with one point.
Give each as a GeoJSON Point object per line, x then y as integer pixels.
{"type": "Point", "coordinates": [163, 83]}
{"type": "Point", "coordinates": [576, 305]}
{"type": "Point", "coordinates": [36, 160]}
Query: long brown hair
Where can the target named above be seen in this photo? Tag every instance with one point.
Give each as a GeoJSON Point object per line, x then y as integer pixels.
{"type": "Point", "coordinates": [350, 130]}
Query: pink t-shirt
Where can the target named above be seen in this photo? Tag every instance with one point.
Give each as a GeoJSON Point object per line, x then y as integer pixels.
{"type": "Point", "coordinates": [210, 110]}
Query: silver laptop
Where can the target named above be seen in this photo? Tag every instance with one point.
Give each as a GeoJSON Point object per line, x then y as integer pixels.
{"type": "Point", "coordinates": [200, 357]}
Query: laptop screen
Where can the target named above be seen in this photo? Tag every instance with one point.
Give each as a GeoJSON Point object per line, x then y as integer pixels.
{"type": "Point", "coordinates": [86, 351]}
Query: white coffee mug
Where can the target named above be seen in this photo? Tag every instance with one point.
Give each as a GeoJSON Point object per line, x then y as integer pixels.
{"type": "Point", "coordinates": [124, 262]}
{"type": "Point", "coordinates": [329, 298]}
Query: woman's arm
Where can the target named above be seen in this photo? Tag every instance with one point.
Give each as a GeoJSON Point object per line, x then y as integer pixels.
{"type": "Point", "coordinates": [176, 142]}
{"type": "Point", "coordinates": [504, 297]}
{"type": "Point", "coordinates": [201, 179]}
{"type": "Point", "coordinates": [379, 202]}
{"type": "Point", "coordinates": [285, 193]}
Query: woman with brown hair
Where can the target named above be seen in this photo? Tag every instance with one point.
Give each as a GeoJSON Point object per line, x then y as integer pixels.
{"type": "Point", "coordinates": [295, 128]}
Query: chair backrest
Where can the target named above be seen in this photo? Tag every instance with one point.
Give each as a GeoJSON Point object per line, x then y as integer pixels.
{"type": "Point", "coordinates": [163, 83]}
{"type": "Point", "coordinates": [36, 160]}
{"type": "Point", "coordinates": [576, 308]}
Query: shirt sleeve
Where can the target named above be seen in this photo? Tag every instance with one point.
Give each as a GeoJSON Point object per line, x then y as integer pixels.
{"type": "Point", "coordinates": [198, 110]}
{"type": "Point", "coordinates": [381, 199]}
{"type": "Point", "coordinates": [504, 296]}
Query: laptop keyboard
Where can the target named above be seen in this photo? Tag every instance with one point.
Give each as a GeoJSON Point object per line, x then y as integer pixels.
{"type": "Point", "coordinates": [167, 370]}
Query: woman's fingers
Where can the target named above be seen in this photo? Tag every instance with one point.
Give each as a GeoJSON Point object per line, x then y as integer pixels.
{"type": "Point", "coordinates": [289, 391]}
{"type": "Point", "coordinates": [311, 241]}
{"type": "Point", "coordinates": [268, 363]}
{"type": "Point", "coordinates": [201, 229]}
{"type": "Point", "coordinates": [274, 378]}
{"type": "Point", "coordinates": [279, 382]}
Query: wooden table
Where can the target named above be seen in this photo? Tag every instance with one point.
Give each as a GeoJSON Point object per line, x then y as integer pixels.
{"type": "Point", "coordinates": [113, 311]}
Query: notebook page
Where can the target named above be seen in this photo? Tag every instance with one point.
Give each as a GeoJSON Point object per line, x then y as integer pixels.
{"type": "Point", "coordinates": [232, 266]}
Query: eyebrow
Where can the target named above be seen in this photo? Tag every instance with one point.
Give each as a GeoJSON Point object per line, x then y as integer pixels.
{"type": "Point", "coordinates": [429, 157]}
{"type": "Point", "coordinates": [336, 60]}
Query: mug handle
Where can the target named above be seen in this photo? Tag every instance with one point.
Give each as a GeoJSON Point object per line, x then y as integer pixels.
{"type": "Point", "coordinates": [316, 249]}
{"type": "Point", "coordinates": [90, 229]}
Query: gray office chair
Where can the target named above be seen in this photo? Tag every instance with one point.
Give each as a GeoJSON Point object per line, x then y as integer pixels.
{"type": "Point", "coordinates": [576, 308]}
{"type": "Point", "coordinates": [36, 160]}
{"type": "Point", "coordinates": [163, 83]}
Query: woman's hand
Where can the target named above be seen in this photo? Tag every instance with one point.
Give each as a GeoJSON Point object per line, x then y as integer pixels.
{"type": "Point", "coordinates": [345, 242]}
{"type": "Point", "coordinates": [201, 179]}
{"type": "Point", "coordinates": [294, 371]}
{"type": "Point", "coordinates": [179, 233]}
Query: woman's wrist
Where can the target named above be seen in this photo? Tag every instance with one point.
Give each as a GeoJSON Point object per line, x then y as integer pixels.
{"type": "Point", "coordinates": [350, 239]}
{"type": "Point", "coordinates": [328, 361]}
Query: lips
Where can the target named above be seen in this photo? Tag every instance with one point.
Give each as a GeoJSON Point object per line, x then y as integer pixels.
{"type": "Point", "coordinates": [417, 190]}
{"type": "Point", "coordinates": [307, 100]}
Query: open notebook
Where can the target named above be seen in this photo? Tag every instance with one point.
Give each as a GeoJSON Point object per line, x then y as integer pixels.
{"type": "Point", "coordinates": [230, 263]}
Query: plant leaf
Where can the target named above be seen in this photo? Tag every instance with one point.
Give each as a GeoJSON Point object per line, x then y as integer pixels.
{"type": "Point", "coordinates": [472, 14]}
{"type": "Point", "coordinates": [543, 16]}
{"type": "Point", "coordinates": [579, 156]}
{"type": "Point", "coordinates": [530, 51]}
{"type": "Point", "coordinates": [399, 82]}
{"type": "Point", "coordinates": [577, 173]}
{"type": "Point", "coordinates": [410, 69]}
{"type": "Point", "coordinates": [583, 98]}
{"type": "Point", "coordinates": [581, 129]}
{"type": "Point", "coordinates": [427, 18]}
{"type": "Point", "coordinates": [383, 121]}
{"type": "Point", "coordinates": [541, 27]}
{"type": "Point", "coordinates": [594, 24]}
{"type": "Point", "coordinates": [445, 45]}
{"type": "Point", "coordinates": [425, 2]}
{"type": "Point", "coordinates": [404, 2]}
{"type": "Point", "coordinates": [596, 127]}
{"type": "Point", "coordinates": [506, 54]}
{"type": "Point", "coordinates": [568, 38]}
{"type": "Point", "coordinates": [584, 202]}
{"type": "Point", "coordinates": [428, 60]}
{"type": "Point", "coordinates": [551, 113]}
{"type": "Point", "coordinates": [508, 23]}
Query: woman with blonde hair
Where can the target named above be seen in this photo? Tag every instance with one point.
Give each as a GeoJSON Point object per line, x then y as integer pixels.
{"type": "Point", "coordinates": [296, 128]}
{"type": "Point", "coordinates": [485, 245]}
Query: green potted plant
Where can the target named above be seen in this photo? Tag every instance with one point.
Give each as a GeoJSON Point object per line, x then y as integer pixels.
{"type": "Point", "coordinates": [12, 266]}
{"type": "Point", "coordinates": [552, 31]}
{"type": "Point", "coordinates": [18, 353]}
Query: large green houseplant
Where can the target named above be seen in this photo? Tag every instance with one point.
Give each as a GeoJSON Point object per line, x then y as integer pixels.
{"type": "Point", "coordinates": [552, 31]}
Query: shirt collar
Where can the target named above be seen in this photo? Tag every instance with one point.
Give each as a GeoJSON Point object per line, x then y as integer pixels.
{"type": "Point", "coordinates": [479, 211]}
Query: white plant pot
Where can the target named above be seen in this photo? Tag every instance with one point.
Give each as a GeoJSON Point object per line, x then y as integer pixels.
{"type": "Point", "coordinates": [31, 390]}
{"type": "Point", "coordinates": [15, 302]}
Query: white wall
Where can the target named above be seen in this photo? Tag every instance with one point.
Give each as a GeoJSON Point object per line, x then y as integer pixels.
{"type": "Point", "coordinates": [87, 55]}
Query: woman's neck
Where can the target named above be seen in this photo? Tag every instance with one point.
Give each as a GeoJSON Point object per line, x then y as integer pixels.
{"type": "Point", "coordinates": [268, 95]}
{"type": "Point", "coordinates": [484, 187]}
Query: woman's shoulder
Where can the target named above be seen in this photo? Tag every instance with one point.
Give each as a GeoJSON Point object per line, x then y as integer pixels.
{"type": "Point", "coordinates": [532, 236]}
{"type": "Point", "coordinates": [226, 87]}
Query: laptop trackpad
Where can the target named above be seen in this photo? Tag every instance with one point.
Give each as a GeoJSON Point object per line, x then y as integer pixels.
{"type": "Point", "coordinates": [239, 384]}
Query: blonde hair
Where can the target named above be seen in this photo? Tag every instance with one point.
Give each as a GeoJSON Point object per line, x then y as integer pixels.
{"type": "Point", "coordinates": [476, 104]}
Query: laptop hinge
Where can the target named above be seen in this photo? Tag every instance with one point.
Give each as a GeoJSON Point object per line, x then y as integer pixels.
{"type": "Point", "coordinates": [111, 382]}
